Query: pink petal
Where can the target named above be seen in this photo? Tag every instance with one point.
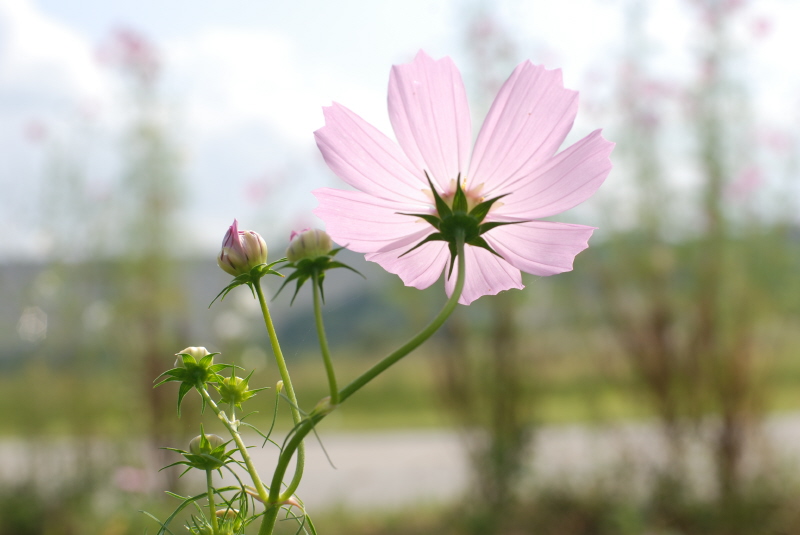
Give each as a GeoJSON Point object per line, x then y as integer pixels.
{"type": "Point", "coordinates": [365, 158]}
{"type": "Point", "coordinates": [367, 224]}
{"type": "Point", "coordinates": [561, 183]}
{"type": "Point", "coordinates": [487, 274]}
{"type": "Point", "coordinates": [540, 247]}
{"type": "Point", "coordinates": [430, 116]}
{"type": "Point", "coordinates": [420, 268]}
{"type": "Point", "coordinates": [527, 123]}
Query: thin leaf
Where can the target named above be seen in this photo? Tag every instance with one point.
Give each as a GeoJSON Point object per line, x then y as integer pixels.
{"type": "Point", "coordinates": [441, 207]}
{"type": "Point", "coordinates": [436, 236]}
{"type": "Point", "coordinates": [430, 218]}
{"type": "Point", "coordinates": [184, 389]}
{"type": "Point", "coordinates": [480, 242]}
{"type": "Point", "coordinates": [486, 227]}
{"type": "Point", "coordinates": [480, 211]}
{"type": "Point", "coordinates": [459, 199]}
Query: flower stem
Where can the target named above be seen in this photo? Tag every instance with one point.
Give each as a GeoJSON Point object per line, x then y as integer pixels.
{"type": "Point", "coordinates": [323, 342]}
{"type": "Point", "coordinates": [308, 424]}
{"type": "Point", "coordinates": [248, 462]}
{"type": "Point", "coordinates": [421, 337]}
{"type": "Point", "coordinates": [287, 383]}
{"type": "Point", "coordinates": [211, 506]}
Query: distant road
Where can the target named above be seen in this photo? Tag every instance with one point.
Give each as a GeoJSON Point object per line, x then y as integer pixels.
{"type": "Point", "coordinates": [395, 469]}
{"type": "Point", "coordinates": [391, 470]}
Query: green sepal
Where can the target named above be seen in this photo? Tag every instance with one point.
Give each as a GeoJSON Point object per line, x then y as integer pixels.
{"type": "Point", "coordinates": [480, 242]}
{"type": "Point", "coordinates": [450, 221]}
{"type": "Point", "coordinates": [214, 460]}
{"type": "Point", "coordinates": [441, 207]}
{"type": "Point", "coordinates": [305, 269]}
{"type": "Point", "coordinates": [436, 236]}
{"type": "Point", "coordinates": [182, 391]}
{"type": "Point", "coordinates": [486, 227]}
{"type": "Point", "coordinates": [235, 390]}
{"type": "Point", "coordinates": [453, 254]}
{"type": "Point", "coordinates": [249, 279]}
{"type": "Point", "coordinates": [480, 211]}
{"type": "Point", "coordinates": [193, 374]}
{"type": "Point", "coordinates": [430, 218]}
{"type": "Point", "coordinates": [460, 204]}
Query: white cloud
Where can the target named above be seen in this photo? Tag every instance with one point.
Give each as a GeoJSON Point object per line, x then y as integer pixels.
{"type": "Point", "coordinates": [40, 56]}
{"type": "Point", "coordinates": [233, 77]}
{"type": "Point", "coordinates": [48, 78]}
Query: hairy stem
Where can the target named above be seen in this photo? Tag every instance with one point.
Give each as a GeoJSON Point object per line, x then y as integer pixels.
{"type": "Point", "coordinates": [211, 506]}
{"type": "Point", "coordinates": [248, 462]}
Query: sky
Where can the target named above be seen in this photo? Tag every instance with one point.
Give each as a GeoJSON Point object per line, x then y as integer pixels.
{"type": "Point", "coordinates": [244, 83]}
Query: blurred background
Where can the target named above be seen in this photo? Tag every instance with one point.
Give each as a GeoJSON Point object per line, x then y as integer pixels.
{"type": "Point", "coordinates": [654, 390]}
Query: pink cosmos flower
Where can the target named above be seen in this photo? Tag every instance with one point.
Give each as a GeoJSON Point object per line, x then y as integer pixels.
{"type": "Point", "coordinates": [514, 157]}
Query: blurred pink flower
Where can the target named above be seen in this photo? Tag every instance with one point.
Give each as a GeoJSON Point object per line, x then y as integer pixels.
{"type": "Point", "coordinates": [761, 27]}
{"type": "Point", "coordinates": [746, 183]}
{"type": "Point", "coordinates": [35, 131]}
{"type": "Point", "coordinates": [514, 157]}
{"type": "Point", "coordinates": [133, 52]}
{"type": "Point", "coordinates": [130, 479]}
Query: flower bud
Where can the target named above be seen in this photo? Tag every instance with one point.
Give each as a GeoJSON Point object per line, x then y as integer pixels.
{"type": "Point", "coordinates": [242, 250]}
{"type": "Point", "coordinates": [197, 352]}
{"type": "Point", "coordinates": [309, 243]}
{"type": "Point", "coordinates": [227, 513]}
{"type": "Point", "coordinates": [235, 390]}
{"type": "Point", "coordinates": [196, 445]}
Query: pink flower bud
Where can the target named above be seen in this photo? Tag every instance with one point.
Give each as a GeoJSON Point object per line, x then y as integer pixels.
{"type": "Point", "coordinates": [242, 250]}
{"type": "Point", "coordinates": [309, 243]}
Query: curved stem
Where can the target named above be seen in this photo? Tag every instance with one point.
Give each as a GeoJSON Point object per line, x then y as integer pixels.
{"type": "Point", "coordinates": [323, 342]}
{"type": "Point", "coordinates": [274, 493]}
{"type": "Point", "coordinates": [308, 424]}
{"type": "Point", "coordinates": [248, 462]}
{"type": "Point", "coordinates": [211, 506]}
{"type": "Point", "coordinates": [423, 335]}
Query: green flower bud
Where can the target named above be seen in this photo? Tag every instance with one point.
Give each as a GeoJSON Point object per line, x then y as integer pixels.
{"type": "Point", "coordinates": [309, 243]}
{"type": "Point", "coordinates": [311, 254]}
{"type": "Point", "coordinates": [212, 443]}
{"type": "Point", "coordinates": [197, 352]}
{"type": "Point", "coordinates": [234, 390]}
{"type": "Point", "coordinates": [227, 513]}
{"type": "Point", "coordinates": [206, 452]}
{"type": "Point", "coordinates": [194, 368]}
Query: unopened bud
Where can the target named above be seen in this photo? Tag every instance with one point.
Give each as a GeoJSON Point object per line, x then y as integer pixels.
{"type": "Point", "coordinates": [197, 352]}
{"type": "Point", "coordinates": [242, 250]}
{"type": "Point", "coordinates": [196, 445]}
{"type": "Point", "coordinates": [309, 243]}
{"type": "Point", "coordinates": [227, 513]}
